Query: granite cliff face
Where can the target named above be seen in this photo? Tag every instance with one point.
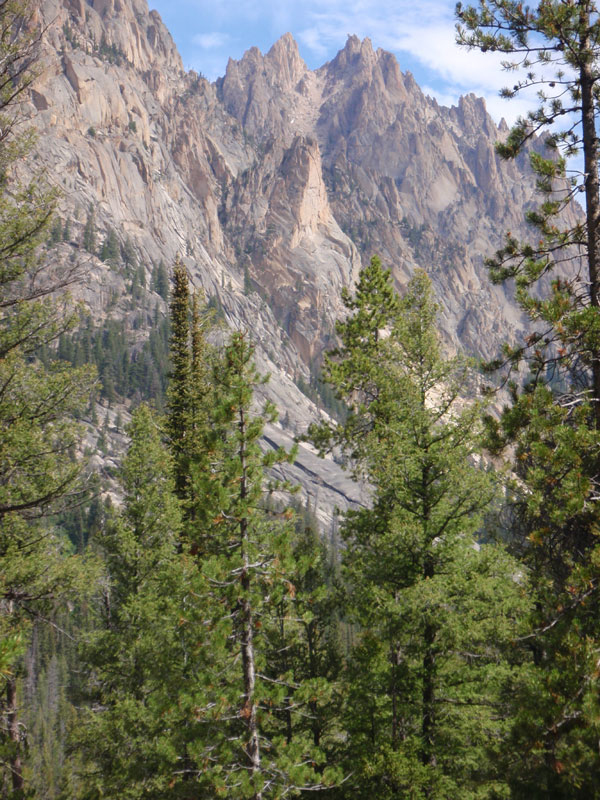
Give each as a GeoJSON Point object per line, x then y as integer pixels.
{"type": "Point", "coordinates": [274, 184]}
{"type": "Point", "coordinates": [415, 182]}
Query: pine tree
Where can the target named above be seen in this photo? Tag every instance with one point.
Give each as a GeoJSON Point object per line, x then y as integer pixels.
{"type": "Point", "coordinates": [247, 280]}
{"type": "Point", "coordinates": [204, 436]}
{"type": "Point", "coordinates": [307, 644]}
{"type": "Point", "coordinates": [48, 712]}
{"type": "Point", "coordinates": [38, 471]}
{"type": "Point", "coordinates": [160, 280]}
{"type": "Point", "coordinates": [129, 257]}
{"type": "Point", "coordinates": [553, 416]}
{"type": "Point", "coordinates": [352, 368]}
{"type": "Point", "coordinates": [251, 569]}
{"type": "Point", "coordinates": [140, 657]}
{"type": "Point", "coordinates": [185, 698]}
{"type": "Point", "coordinates": [110, 252]}
{"type": "Point", "coordinates": [190, 420]}
{"type": "Point", "coordinates": [180, 376]}
{"type": "Point", "coordinates": [433, 607]}
{"type": "Point", "coordinates": [558, 44]}
{"type": "Point", "coordinates": [89, 232]}
{"type": "Point", "coordinates": [55, 232]}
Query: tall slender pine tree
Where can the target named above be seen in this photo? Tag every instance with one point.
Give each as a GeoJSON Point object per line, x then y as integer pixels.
{"type": "Point", "coordinates": [434, 608]}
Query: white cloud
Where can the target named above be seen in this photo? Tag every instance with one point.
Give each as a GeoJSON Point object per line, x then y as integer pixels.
{"type": "Point", "coordinates": [459, 71]}
{"type": "Point", "coordinates": [312, 39]}
{"type": "Point", "coordinates": [211, 41]}
{"type": "Point", "coordinates": [444, 98]}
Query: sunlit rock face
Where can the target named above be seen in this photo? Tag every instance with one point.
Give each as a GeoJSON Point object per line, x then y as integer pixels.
{"type": "Point", "coordinates": [274, 184]}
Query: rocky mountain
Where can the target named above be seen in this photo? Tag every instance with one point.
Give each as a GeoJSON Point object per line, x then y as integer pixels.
{"type": "Point", "coordinates": [274, 184]}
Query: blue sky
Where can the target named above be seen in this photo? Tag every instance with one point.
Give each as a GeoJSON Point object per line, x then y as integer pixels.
{"type": "Point", "coordinates": [419, 32]}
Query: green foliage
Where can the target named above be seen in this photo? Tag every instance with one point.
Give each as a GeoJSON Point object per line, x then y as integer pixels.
{"type": "Point", "coordinates": [189, 690]}
{"type": "Point", "coordinates": [352, 368]}
{"type": "Point", "coordinates": [160, 280]}
{"type": "Point", "coordinates": [48, 714]}
{"type": "Point", "coordinates": [122, 371]}
{"type": "Point", "coordinates": [138, 285]}
{"type": "Point", "coordinates": [89, 231]}
{"type": "Point", "coordinates": [321, 393]}
{"type": "Point", "coordinates": [137, 656]}
{"type": "Point", "coordinates": [70, 36]}
{"type": "Point", "coordinates": [248, 287]}
{"type": "Point", "coordinates": [111, 52]}
{"type": "Point", "coordinates": [309, 645]}
{"type": "Point", "coordinates": [38, 435]}
{"type": "Point", "coordinates": [110, 252]}
{"type": "Point", "coordinates": [180, 388]}
{"type": "Point", "coordinates": [554, 532]}
{"type": "Point", "coordinates": [435, 610]}
{"type": "Point", "coordinates": [128, 256]}
{"type": "Point", "coordinates": [556, 45]}
{"type": "Point", "coordinates": [55, 232]}
{"type": "Point", "coordinates": [552, 421]}
{"type": "Point", "coordinates": [38, 467]}
{"type": "Point", "coordinates": [226, 652]}
{"type": "Point", "coordinates": [193, 440]}
{"type": "Point", "coordinates": [35, 402]}
{"type": "Point", "coordinates": [262, 745]}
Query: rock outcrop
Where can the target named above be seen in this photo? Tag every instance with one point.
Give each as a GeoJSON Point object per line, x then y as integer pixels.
{"type": "Point", "coordinates": [275, 182]}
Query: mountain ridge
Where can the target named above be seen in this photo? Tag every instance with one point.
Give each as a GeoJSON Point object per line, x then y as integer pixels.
{"type": "Point", "coordinates": [274, 184]}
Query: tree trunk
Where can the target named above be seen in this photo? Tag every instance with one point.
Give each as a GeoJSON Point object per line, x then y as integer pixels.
{"type": "Point", "coordinates": [592, 194]}
{"type": "Point", "coordinates": [428, 691]}
{"type": "Point", "coordinates": [248, 665]}
{"type": "Point", "coordinates": [288, 700]}
{"type": "Point", "coordinates": [428, 756]}
{"type": "Point", "coordinates": [394, 692]}
{"type": "Point", "coordinates": [248, 656]}
{"type": "Point", "coordinates": [428, 698]}
{"type": "Point", "coordinates": [16, 765]}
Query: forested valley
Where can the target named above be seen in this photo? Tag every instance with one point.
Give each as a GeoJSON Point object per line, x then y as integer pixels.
{"type": "Point", "coordinates": [193, 633]}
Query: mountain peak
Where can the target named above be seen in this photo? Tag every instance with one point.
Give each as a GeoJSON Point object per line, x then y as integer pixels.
{"type": "Point", "coordinates": [285, 43]}
{"type": "Point", "coordinates": [355, 54]}
{"type": "Point", "coordinates": [127, 26]}
{"type": "Point", "coordinates": [285, 57]}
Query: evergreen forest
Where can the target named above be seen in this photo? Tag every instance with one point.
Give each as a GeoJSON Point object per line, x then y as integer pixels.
{"type": "Point", "coordinates": [193, 634]}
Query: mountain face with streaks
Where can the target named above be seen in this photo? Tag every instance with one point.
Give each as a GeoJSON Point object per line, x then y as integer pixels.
{"type": "Point", "coordinates": [274, 184]}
